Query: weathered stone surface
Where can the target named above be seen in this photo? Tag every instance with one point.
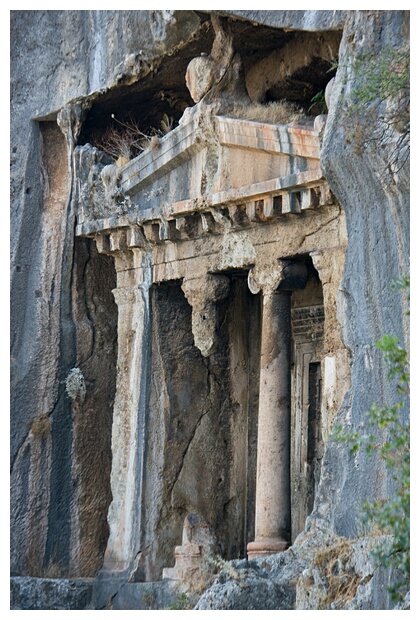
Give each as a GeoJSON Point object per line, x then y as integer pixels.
{"type": "Point", "coordinates": [95, 315]}
{"type": "Point", "coordinates": [200, 76]}
{"type": "Point", "coordinates": [28, 593]}
{"type": "Point", "coordinates": [365, 305]}
{"type": "Point", "coordinates": [267, 583]}
{"type": "Point", "coordinates": [128, 423]}
{"type": "Point", "coordinates": [199, 461]}
{"type": "Point", "coordinates": [202, 295]}
{"type": "Point", "coordinates": [378, 252]}
{"type": "Point", "coordinates": [193, 559]}
{"type": "Point", "coordinates": [272, 74]}
{"type": "Point", "coordinates": [235, 192]}
{"type": "Point", "coordinates": [116, 594]}
{"type": "Point", "coordinates": [320, 571]}
{"type": "Point", "coordinates": [52, 49]}
{"type": "Point", "coordinates": [253, 592]}
{"type": "Point", "coordinates": [210, 237]}
{"type": "Point", "coordinates": [328, 92]}
{"type": "Point", "coordinates": [299, 20]}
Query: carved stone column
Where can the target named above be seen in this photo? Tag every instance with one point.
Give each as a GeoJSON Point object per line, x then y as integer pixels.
{"type": "Point", "coordinates": [202, 294]}
{"type": "Point", "coordinates": [272, 513]}
{"type": "Point", "coordinates": [134, 340]}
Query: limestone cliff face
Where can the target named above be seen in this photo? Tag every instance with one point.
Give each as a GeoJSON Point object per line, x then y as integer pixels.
{"type": "Point", "coordinates": [376, 203]}
{"type": "Point", "coordinates": [58, 57]}
{"type": "Point", "coordinates": [70, 70]}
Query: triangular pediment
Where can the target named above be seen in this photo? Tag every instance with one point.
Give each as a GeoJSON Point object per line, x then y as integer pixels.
{"type": "Point", "coordinates": [209, 162]}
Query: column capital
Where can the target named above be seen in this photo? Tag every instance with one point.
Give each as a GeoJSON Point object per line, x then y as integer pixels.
{"type": "Point", "coordinates": [265, 277]}
{"type": "Point", "coordinates": [284, 275]}
{"type": "Point", "coordinates": [124, 295]}
{"type": "Point", "coordinates": [202, 293]}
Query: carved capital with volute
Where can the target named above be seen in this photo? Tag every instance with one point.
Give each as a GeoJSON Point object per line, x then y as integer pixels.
{"type": "Point", "coordinates": [283, 275]}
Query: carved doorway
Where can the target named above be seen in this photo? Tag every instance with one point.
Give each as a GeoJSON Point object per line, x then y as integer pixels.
{"type": "Point", "coordinates": [307, 447]}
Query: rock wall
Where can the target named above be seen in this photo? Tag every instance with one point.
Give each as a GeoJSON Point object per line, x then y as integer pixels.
{"type": "Point", "coordinates": [54, 325]}
{"type": "Point", "coordinates": [377, 217]}
{"type": "Point", "coordinates": [63, 311]}
{"type": "Point", "coordinates": [197, 446]}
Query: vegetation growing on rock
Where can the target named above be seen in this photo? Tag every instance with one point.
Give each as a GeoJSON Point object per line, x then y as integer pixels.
{"type": "Point", "coordinates": [387, 436]}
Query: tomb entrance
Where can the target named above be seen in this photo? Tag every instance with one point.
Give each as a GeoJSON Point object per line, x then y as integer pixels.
{"type": "Point", "coordinates": [228, 249]}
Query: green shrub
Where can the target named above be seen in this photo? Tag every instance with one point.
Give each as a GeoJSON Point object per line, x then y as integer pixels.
{"type": "Point", "coordinates": [378, 111]}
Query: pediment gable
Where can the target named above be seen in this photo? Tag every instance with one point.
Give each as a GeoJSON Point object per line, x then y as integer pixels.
{"type": "Point", "coordinates": [208, 162]}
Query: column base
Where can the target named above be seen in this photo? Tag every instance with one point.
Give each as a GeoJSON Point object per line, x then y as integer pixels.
{"type": "Point", "coordinates": [265, 547]}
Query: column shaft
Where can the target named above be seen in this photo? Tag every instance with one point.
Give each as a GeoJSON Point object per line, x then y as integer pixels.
{"type": "Point", "coordinates": [272, 520]}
